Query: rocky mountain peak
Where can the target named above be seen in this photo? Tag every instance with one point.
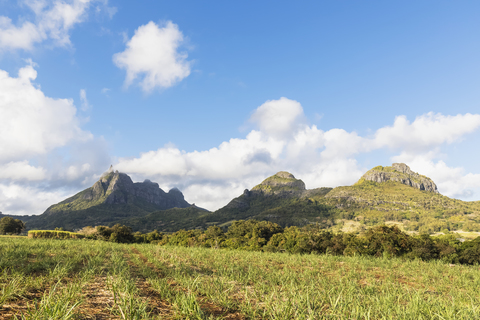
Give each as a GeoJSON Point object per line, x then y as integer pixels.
{"type": "Point", "coordinates": [402, 173]}
{"type": "Point", "coordinates": [115, 187]}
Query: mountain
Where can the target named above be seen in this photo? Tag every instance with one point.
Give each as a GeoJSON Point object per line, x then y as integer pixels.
{"type": "Point", "coordinates": [112, 198]}
{"type": "Point", "coordinates": [392, 195]}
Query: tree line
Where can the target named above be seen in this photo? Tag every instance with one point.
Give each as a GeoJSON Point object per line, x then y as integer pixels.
{"type": "Point", "coordinates": [379, 241]}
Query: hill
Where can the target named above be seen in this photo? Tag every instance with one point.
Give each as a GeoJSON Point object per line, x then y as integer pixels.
{"type": "Point", "coordinates": [383, 195]}
{"type": "Point", "coordinates": [112, 198]}
{"type": "Point", "coordinates": [399, 196]}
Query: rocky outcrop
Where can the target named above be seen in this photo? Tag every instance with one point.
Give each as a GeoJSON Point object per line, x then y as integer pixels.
{"type": "Point", "coordinates": [402, 173]}
{"type": "Point", "coordinates": [118, 188]}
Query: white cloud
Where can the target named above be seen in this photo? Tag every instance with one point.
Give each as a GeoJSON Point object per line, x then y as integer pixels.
{"type": "Point", "coordinates": [22, 37]}
{"type": "Point", "coordinates": [427, 131]}
{"type": "Point", "coordinates": [21, 170]}
{"type": "Point", "coordinates": [284, 141]}
{"type": "Point", "coordinates": [32, 123]}
{"type": "Point", "coordinates": [152, 55]}
{"type": "Point", "coordinates": [278, 118]}
{"type": "Point", "coordinates": [53, 21]}
{"type": "Point", "coordinates": [83, 99]}
{"type": "Point", "coordinates": [45, 155]}
{"type": "Point", "coordinates": [19, 199]}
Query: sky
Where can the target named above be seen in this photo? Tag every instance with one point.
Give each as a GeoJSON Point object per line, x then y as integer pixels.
{"type": "Point", "coordinates": [213, 97]}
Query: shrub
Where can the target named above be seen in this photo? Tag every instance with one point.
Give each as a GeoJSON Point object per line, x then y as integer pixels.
{"type": "Point", "coordinates": [470, 252]}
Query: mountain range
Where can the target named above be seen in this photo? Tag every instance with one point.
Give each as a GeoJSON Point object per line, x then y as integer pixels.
{"type": "Point", "coordinates": [383, 195]}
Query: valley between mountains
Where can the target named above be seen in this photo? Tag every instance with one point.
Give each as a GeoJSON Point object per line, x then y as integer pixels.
{"type": "Point", "coordinates": [392, 195]}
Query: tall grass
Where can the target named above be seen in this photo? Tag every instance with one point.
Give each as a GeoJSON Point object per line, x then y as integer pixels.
{"type": "Point", "coordinates": [276, 286]}
{"type": "Point", "coordinates": [45, 279]}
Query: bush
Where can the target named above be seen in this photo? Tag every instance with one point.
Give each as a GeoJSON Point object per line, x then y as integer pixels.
{"type": "Point", "coordinates": [470, 252]}
{"type": "Point", "coordinates": [383, 240]}
{"type": "Point", "coordinates": [117, 233]}
{"type": "Point", "coordinates": [250, 234]}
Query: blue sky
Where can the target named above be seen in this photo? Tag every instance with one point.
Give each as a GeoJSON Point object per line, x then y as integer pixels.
{"type": "Point", "coordinates": [214, 98]}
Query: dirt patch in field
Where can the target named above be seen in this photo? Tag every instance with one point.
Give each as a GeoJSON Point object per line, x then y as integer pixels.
{"type": "Point", "coordinates": [98, 301]}
{"type": "Point", "coordinates": [157, 305]}
{"type": "Point", "coordinates": [21, 303]}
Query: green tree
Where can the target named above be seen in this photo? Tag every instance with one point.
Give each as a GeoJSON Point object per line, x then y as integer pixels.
{"type": "Point", "coordinates": [9, 225]}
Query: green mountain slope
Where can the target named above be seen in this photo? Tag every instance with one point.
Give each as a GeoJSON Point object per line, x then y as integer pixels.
{"type": "Point", "coordinates": [112, 198]}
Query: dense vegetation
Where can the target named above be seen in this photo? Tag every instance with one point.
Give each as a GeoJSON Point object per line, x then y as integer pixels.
{"type": "Point", "coordinates": [252, 235]}
{"type": "Point", "coordinates": [77, 279]}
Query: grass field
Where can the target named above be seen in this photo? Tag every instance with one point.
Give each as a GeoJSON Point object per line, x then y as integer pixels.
{"type": "Point", "coordinates": [80, 279]}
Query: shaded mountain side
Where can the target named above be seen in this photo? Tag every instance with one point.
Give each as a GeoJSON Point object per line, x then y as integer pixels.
{"type": "Point", "coordinates": [168, 220]}
{"type": "Point", "coordinates": [282, 199]}
{"type": "Point", "coordinates": [102, 214]}
{"type": "Point", "coordinates": [285, 212]}
{"type": "Point", "coordinates": [113, 197]}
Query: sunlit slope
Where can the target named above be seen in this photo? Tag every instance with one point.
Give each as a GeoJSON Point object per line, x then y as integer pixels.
{"type": "Point", "coordinates": [369, 203]}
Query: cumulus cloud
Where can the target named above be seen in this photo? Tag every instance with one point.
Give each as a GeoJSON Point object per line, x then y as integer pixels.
{"type": "Point", "coordinates": [152, 55]}
{"type": "Point", "coordinates": [32, 123]}
{"type": "Point", "coordinates": [284, 141]}
{"type": "Point", "coordinates": [45, 153]}
{"type": "Point", "coordinates": [279, 118]}
{"type": "Point", "coordinates": [22, 37]}
{"type": "Point", "coordinates": [53, 20]}
{"type": "Point", "coordinates": [427, 131]}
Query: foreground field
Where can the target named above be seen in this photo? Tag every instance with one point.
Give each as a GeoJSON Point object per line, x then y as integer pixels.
{"type": "Point", "coordinates": [80, 279]}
